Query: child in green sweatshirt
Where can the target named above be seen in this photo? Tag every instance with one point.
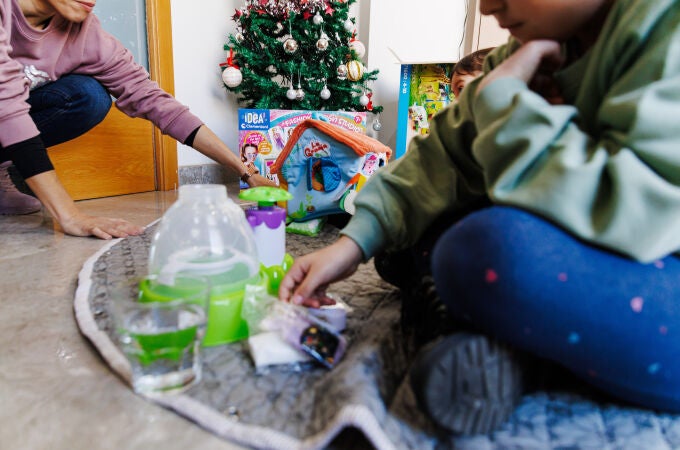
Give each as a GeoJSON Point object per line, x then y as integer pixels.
{"type": "Point", "coordinates": [562, 166]}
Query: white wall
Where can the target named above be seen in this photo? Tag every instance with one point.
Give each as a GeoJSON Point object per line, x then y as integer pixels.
{"type": "Point", "coordinates": [428, 32]}
{"type": "Point", "coordinates": [484, 32]}
{"type": "Point", "coordinates": [198, 34]}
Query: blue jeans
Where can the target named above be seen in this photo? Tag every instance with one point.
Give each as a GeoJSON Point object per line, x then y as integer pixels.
{"type": "Point", "coordinates": [610, 320]}
{"type": "Point", "coordinates": [69, 107]}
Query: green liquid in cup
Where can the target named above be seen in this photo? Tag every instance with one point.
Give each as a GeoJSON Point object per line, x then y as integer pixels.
{"type": "Point", "coordinates": [170, 345]}
{"type": "Point", "coordinates": [162, 342]}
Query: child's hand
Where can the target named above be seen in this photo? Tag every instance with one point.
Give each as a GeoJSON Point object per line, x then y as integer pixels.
{"type": "Point", "coordinates": [306, 282]}
{"type": "Point", "coordinates": [534, 63]}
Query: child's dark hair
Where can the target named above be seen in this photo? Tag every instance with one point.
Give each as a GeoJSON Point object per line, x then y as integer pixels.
{"type": "Point", "coordinates": [472, 64]}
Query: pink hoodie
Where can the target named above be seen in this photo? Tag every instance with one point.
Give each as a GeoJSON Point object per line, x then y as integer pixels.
{"type": "Point", "coordinates": [30, 58]}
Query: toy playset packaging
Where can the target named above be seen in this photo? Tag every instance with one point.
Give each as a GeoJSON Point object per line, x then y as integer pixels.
{"type": "Point", "coordinates": [263, 133]}
{"type": "Point", "coordinates": [323, 166]}
{"type": "Point", "coordinates": [425, 89]}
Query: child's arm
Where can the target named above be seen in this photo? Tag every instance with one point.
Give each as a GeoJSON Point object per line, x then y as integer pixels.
{"type": "Point", "coordinates": [534, 60]}
{"type": "Point", "coordinates": [306, 282]}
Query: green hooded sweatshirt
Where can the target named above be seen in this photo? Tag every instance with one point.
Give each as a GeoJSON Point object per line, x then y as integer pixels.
{"type": "Point", "coordinates": [605, 165]}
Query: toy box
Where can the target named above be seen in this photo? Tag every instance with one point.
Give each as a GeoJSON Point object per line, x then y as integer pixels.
{"type": "Point", "coordinates": [425, 89]}
{"type": "Point", "coordinates": [263, 133]}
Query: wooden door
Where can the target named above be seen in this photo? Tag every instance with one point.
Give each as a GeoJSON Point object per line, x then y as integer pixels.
{"type": "Point", "coordinates": [122, 155]}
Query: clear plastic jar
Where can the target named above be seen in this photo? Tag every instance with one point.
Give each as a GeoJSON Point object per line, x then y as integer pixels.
{"type": "Point", "coordinates": [205, 233]}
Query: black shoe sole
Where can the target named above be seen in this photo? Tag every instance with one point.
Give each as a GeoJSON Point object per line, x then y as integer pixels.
{"type": "Point", "coordinates": [467, 383]}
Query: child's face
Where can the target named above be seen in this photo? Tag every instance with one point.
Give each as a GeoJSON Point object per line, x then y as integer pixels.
{"type": "Point", "coordinates": [459, 81]}
{"type": "Point", "coordinates": [558, 20]}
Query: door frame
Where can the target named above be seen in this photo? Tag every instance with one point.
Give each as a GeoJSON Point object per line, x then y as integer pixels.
{"type": "Point", "coordinates": [161, 69]}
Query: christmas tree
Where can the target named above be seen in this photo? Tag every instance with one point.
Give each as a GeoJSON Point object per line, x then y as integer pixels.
{"type": "Point", "coordinates": [298, 54]}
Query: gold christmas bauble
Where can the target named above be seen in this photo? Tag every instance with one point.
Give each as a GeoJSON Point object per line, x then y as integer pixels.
{"type": "Point", "coordinates": [355, 70]}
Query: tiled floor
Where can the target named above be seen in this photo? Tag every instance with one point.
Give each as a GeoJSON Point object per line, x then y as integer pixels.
{"type": "Point", "coordinates": [55, 391]}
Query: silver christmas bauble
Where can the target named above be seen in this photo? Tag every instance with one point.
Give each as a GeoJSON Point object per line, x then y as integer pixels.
{"type": "Point", "coordinates": [325, 93]}
{"type": "Point", "coordinates": [377, 126]}
{"type": "Point", "coordinates": [239, 37]}
{"type": "Point", "coordinates": [322, 43]}
{"type": "Point", "coordinates": [348, 25]}
{"type": "Point", "coordinates": [299, 94]}
{"type": "Point", "coordinates": [317, 19]}
{"type": "Point", "coordinates": [291, 93]}
{"type": "Point", "coordinates": [232, 76]}
{"type": "Point", "coordinates": [363, 100]}
{"type": "Point", "coordinates": [290, 45]}
{"type": "Point", "coordinates": [342, 72]}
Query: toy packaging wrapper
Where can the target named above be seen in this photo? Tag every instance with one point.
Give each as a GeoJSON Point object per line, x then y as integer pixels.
{"type": "Point", "coordinates": [323, 166]}
{"type": "Point", "coordinates": [263, 133]}
{"type": "Point", "coordinates": [284, 334]}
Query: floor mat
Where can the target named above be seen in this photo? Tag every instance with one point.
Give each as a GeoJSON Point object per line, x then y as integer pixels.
{"type": "Point", "coordinates": [368, 391]}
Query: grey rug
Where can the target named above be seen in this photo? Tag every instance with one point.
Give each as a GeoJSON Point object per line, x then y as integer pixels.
{"type": "Point", "coordinates": [367, 392]}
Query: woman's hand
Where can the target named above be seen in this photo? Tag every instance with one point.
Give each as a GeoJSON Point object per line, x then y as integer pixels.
{"type": "Point", "coordinates": [534, 63]}
{"type": "Point", "coordinates": [56, 200]}
{"type": "Point", "coordinates": [306, 282]}
{"type": "Point", "coordinates": [258, 180]}
{"type": "Point", "coordinates": [102, 227]}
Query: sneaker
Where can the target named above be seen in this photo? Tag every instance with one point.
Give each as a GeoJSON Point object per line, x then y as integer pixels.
{"type": "Point", "coordinates": [467, 383]}
{"type": "Point", "coordinates": [13, 202]}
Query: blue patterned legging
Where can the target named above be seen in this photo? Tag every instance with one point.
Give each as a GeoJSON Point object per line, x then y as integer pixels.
{"type": "Point", "coordinates": [612, 321]}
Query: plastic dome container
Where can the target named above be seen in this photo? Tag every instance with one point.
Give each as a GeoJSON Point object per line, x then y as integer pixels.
{"type": "Point", "coordinates": [205, 233]}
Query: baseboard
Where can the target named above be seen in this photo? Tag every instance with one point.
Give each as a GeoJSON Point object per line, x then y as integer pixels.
{"type": "Point", "coordinates": [206, 174]}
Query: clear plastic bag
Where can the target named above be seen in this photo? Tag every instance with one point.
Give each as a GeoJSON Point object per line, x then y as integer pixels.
{"type": "Point", "coordinates": [273, 323]}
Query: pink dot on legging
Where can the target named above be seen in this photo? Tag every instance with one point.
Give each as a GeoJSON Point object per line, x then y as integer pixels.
{"type": "Point", "coordinates": [562, 276]}
{"type": "Point", "coordinates": [659, 264]}
{"type": "Point", "coordinates": [663, 330]}
{"type": "Point", "coordinates": [491, 276]}
{"type": "Point", "coordinates": [636, 304]}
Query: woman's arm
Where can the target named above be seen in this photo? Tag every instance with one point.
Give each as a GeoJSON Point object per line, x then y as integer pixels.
{"type": "Point", "coordinates": [212, 146]}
